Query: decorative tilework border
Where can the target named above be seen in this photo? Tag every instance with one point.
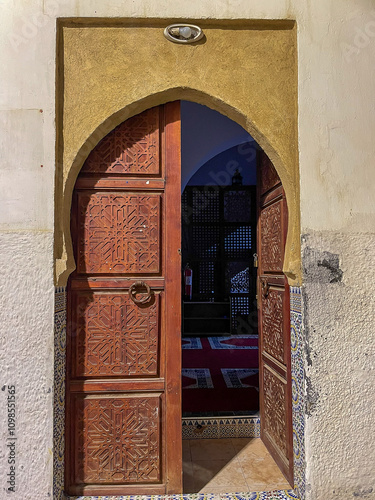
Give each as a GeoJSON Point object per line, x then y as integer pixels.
{"type": "Point", "coordinates": [233, 427]}
{"type": "Point", "coordinates": [216, 428]}
{"type": "Point", "coordinates": [298, 403]}
{"type": "Point", "coordinates": [296, 299]}
{"type": "Point", "coordinates": [59, 393]}
{"type": "Point", "coordinates": [272, 495]}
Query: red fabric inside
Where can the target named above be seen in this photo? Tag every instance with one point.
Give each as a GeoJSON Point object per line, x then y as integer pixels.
{"type": "Point", "coordinates": [221, 398]}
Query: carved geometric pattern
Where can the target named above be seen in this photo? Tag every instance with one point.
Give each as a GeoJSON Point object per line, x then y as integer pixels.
{"type": "Point", "coordinates": [206, 241]}
{"type": "Point", "coordinates": [242, 321]}
{"type": "Point", "coordinates": [269, 177]}
{"type": "Point", "coordinates": [115, 337]}
{"type": "Point", "coordinates": [271, 238]}
{"type": "Point", "coordinates": [274, 409]}
{"type": "Point", "coordinates": [206, 205]}
{"type": "Point", "coordinates": [131, 148]}
{"type": "Point", "coordinates": [237, 277]}
{"type": "Point", "coordinates": [272, 307]}
{"type": "Point", "coordinates": [118, 233]}
{"type": "Point", "coordinates": [117, 440]}
{"type": "Point", "coordinates": [206, 278]}
{"type": "Point", "coordinates": [237, 242]}
{"type": "Point", "coordinates": [237, 206]}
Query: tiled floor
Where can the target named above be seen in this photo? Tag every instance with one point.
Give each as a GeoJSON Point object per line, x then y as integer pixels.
{"type": "Point", "coordinates": [229, 465]}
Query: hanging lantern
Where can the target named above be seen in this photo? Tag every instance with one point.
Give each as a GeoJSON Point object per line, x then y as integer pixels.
{"type": "Point", "coordinates": [237, 178]}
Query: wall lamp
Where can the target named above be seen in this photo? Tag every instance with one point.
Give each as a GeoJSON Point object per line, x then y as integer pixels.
{"type": "Point", "coordinates": [183, 33]}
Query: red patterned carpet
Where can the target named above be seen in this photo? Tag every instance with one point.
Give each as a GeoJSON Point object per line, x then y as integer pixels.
{"type": "Point", "coordinates": [220, 374]}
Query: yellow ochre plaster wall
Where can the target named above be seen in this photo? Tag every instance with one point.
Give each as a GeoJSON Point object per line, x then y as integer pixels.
{"type": "Point", "coordinates": [111, 70]}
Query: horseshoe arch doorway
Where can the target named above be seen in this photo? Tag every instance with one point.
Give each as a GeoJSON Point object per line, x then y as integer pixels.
{"type": "Point", "coordinates": [123, 404]}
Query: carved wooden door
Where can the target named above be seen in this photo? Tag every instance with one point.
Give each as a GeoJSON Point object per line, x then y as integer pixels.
{"type": "Point", "coordinates": [123, 412]}
{"type": "Point", "coordinates": [274, 319]}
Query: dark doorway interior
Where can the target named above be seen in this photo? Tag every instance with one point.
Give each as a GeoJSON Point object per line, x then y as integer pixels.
{"type": "Point", "coordinates": [219, 326]}
{"type": "Point", "coordinates": [218, 243]}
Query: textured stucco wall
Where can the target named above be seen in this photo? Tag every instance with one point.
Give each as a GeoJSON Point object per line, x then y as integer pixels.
{"type": "Point", "coordinates": [26, 354]}
{"type": "Point", "coordinates": [340, 351]}
{"type": "Point", "coordinates": [336, 119]}
{"type": "Point", "coordinates": [336, 147]}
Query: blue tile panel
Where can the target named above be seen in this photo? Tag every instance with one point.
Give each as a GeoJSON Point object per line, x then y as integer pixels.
{"type": "Point", "coordinates": [298, 403]}
{"type": "Point", "coordinates": [219, 427]}
{"type": "Point", "coordinates": [59, 393]}
{"type": "Point", "coordinates": [272, 495]}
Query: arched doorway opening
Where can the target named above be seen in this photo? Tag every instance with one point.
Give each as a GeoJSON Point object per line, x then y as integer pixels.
{"type": "Point", "coordinates": [218, 243]}
{"type": "Point", "coordinates": [106, 195]}
{"type": "Point", "coordinates": [222, 207]}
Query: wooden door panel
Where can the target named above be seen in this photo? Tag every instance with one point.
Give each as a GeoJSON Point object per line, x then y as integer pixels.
{"type": "Point", "coordinates": [272, 248]}
{"type": "Point", "coordinates": [274, 319]}
{"type": "Point", "coordinates": [117, 439]}
{"type": "Point", "coordinates": [123, 379]}
{"type": "Point", "coordinates": [275, 426]}
{"type": "Point", "coordinates": [273, 327]}
{"type": "Point", "coordinates": [114, 337]}
{"type": "Point", "coordinates": [132, 148]}
{"type": "Point", "coordinates": [269, 178]}
{"type": "Point", "coordinates": [118, 233]}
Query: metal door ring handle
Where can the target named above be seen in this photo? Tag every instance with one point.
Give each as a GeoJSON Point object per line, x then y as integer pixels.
{"type": "Point", "coordinates": [133, 290]}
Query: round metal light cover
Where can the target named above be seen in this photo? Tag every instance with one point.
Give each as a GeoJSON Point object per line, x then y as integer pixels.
{"type": "Point", "coordinates": [183, 33]}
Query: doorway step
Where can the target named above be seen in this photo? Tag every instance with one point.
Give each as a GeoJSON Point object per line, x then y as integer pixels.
{"type": "Point", "coordinates": [221, 427]}
{"type": "Point", "coordinates": [263, 495]}
{"type": "Point", "coordinates": [231, 464]}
